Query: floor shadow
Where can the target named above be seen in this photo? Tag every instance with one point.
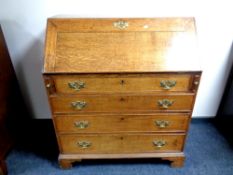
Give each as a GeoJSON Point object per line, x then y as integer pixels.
{"type": "Point", "coordinates": [224, 118]}
{"type": "Point", "coordinates": [38, 137]}
{"type": "Point", "coordinates": [136, 161]}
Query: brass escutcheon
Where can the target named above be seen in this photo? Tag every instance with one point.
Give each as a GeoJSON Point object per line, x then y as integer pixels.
{"type": "Point", "coordinates": [84, 144]}
{"type": "Point", "coordinates": [121, 24]}
{"type": "Point", "coordinates": [81, 124]}
{"type": "Point", "coordinates": [122, 82]}
{"type": "Point", "coordinates": [159, 143]}
{"type": "Point", "coordinates": [167, 84]}
{"type": "Point", "coordinates": [76, 85]}
{"type": "Point", "coordinates": [165, 103]}
{"type": "Point", "coordinates": [162, 123]}
{"type": "Point", "coordinates": [78, 104]}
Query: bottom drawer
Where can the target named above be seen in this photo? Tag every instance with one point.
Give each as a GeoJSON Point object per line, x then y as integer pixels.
{"type": "Point", "coordinates": [121, 143]}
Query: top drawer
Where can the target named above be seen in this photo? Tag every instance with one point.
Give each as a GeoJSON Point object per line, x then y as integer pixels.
{"type": "Point", "coordinates": [111, 83]}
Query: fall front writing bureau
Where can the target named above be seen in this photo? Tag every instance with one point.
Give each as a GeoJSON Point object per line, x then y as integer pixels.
{"type": "Point", "coordinates": [121, 88]}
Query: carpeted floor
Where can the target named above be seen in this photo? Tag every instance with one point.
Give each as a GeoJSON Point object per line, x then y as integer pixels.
{"type": "Point", "coordinates": [207, 153]}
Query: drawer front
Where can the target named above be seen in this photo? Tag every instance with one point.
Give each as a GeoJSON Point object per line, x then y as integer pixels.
{"type": "Point", "coordinates": [121, 103]}
{"type": "Point", "coordinates": [121, 143]}
{"type": "Point", "coordinates": [121, 123]}
{"type": "Point", "coordinates": [79, 84]}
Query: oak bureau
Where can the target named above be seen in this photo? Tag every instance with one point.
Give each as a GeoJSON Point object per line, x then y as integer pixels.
{"type": "Point", "coordinates": [121, 88]}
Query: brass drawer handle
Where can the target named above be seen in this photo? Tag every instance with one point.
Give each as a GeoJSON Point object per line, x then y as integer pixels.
{"type": "Point", "coordinates": [76, 85]}
{"type": "Point", "coordinates": [165, 103]}
{"type": "Point", "coordinates": [121, 24]}
{"type": "Point", "coordinates": [81, 124]}
{"type": "Point", "coordinates": [79, 104]}
{"type": "Point", "coordinates": [162, 123]}
{"type": "Point", "coordinates": [159, 143]}
{"type": "Point", "coordinates": [84, 144]}
{"type": "Point", "coordinates": [167, 84]}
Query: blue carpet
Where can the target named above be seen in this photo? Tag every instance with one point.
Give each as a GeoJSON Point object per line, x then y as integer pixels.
{"type": "Point", "coordinates": [207, 153]}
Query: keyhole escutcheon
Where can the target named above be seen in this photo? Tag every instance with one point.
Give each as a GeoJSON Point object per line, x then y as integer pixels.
{"type": "Point", "coordinates": [122, 82]}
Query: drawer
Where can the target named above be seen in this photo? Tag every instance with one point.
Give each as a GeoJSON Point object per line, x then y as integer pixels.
{"type": "Point", "coordinates": [81, 84]}
{"type": "Point", "coordinates": [121, 143]}
{"type": "Point", "coordinates": [121, 103]}
{"type": "Point", "coordinates": [121, 123]}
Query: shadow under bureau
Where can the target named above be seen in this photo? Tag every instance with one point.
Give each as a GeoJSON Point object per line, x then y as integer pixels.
{"type": "Point", "coordinates": [121, 88]}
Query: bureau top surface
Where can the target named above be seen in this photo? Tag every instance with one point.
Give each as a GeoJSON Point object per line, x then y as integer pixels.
{"type": "Point", "coordinates": [114, 45]}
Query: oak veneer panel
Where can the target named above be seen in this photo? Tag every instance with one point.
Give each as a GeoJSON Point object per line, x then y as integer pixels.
{"type": "Point", "coordinates": [121, 103]}
{"type": "Point", "coordinates": [68, 49]}
{"type": "Point", "coordinates": [121, 143]}
{"type": "Point", "coordinates": [121, 83]}
{"type": "Point", "coordinates": [110, 51]}
{"type": "Point", "coordinates": [121, 123]}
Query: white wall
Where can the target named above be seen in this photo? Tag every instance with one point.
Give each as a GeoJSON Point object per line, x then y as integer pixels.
{"type": "Point", "coordinates": [24, 22]}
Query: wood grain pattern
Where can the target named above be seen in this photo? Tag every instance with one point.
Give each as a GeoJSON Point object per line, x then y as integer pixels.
{"type": "Point", "coordinates": [135, 24]}
{"type": "Point", "coordinates": [122, 51]}
{"type": "Point", "coordinates": [118, 83]}
{"type": "Point", "coordinates": [50, 46]}
{"type": "Point", "coordinates": [122, 103]}
{"type": "Point", "coordinates": [121, 123]}
{"type": "Point", "coordinates": [121, 143]}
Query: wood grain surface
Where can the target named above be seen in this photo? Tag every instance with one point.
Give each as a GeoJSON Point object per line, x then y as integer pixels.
{"type": "Point", "coordinates": [119, 83]}
{"type": "Point", "coordinates": [82, 46]}
{"type": "Point", "coordinates": [121, 143]}
{"type": "Point", "coordinates": [122, 123]}
{"type": "Point", "coordinates": [122, 103]}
